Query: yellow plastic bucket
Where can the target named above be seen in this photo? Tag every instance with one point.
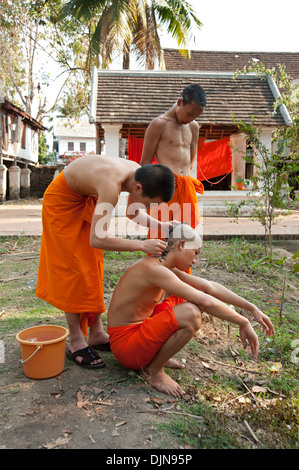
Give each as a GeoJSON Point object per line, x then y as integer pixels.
{"type": "Point", "coordinates": [43, 350]}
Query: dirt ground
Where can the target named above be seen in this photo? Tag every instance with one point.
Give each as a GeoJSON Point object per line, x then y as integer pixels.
{"type": "Point", "coordinates": [113, 408]}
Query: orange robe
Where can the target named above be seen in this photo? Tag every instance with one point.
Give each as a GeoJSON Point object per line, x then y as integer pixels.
{"type": "Point", "coordinates": [182, 207]}
{"type": "Point", "coordinates": [70, 275]}
{"type": "Point", "coordinates": [135, 346]}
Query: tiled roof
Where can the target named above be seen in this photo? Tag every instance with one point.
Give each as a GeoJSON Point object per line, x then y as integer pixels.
{"type": "Point", "coordinates": [136, 97]}
{"type": "Point", "coordinates": [4, 103]}
{"type": "Point", "coordinates": [219, 61]}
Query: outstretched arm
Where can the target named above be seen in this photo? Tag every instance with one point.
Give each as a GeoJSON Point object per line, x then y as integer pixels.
{"type": "Point", "coordinates": [167, 280]}
{"type": "Point", "coordinates": [225, 295]}
{"type": "Point", "coordinates": [210, 304]}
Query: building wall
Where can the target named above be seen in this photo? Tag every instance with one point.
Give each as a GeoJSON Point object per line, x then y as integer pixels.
{"type": "Point", "coordinates": [30, 152]}
{"type": "Point", "coordinates": [40, 178]}
{"type": "Point", "coordinates": [63, 145]}
{"type": "Point", "coordinates": [19, 139]}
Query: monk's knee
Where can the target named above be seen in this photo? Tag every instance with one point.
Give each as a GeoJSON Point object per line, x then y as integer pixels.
{"type": "Point", "coordinates": [194, 315]}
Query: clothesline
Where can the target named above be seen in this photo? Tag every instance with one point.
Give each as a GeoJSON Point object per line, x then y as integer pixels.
{"type": "Point", "coordinates": [217, 182]}
{"type": "Point", "coordinates": [223, 158]}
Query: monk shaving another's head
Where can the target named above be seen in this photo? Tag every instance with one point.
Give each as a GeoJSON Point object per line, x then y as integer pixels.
{"type": "Point", "coordinates": [78, 223]}
{"type": "Point", "coordinates": [146, 331]}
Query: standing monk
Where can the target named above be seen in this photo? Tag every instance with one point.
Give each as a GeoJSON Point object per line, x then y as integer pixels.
{"type": "Point", "coordinates": [76, 214]}
{"type": "Point", "coordinates": [172, 138]}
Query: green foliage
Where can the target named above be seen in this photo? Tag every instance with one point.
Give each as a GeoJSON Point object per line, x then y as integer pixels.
{"type": "Point", "coordinates": [134, 26]}
{"type": "Point", "coordinates": [42, 149]}
{"type": "Point", "coordinates": [271, 186]}
{"type": "Point", "coordinates": [76, 36]}
{"type": "Point", "coordinates": [285, 137]}
{"type": "Point", "coordinates": [31, 34]}
{"type": "Point", "coordinates": [296, 265]}
{"type": "Point", "coordinates": [240, 255]}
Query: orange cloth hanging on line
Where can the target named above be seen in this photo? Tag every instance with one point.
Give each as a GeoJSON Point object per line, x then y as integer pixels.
{"type": "Point", "coordinates": [214, 159]}
{"type": "Point", "coordinates": [200, 143]}
{"type": "Point", "coordinates": [135, 146]}
{"type": "Point", "coordinates": [70, 275]}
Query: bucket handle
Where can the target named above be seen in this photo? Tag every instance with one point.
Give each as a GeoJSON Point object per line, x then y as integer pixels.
{"type": "Point", "coordinates": [23, 362]}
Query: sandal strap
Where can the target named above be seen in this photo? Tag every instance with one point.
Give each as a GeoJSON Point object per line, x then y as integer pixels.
{"type": "Point", "coordinates": [88, 354]}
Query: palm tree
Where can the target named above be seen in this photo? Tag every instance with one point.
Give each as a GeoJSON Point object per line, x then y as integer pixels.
{"type": "Point", "coordinates": [133, 25]}
{"type": "Point", "coordinates": [177, 16]}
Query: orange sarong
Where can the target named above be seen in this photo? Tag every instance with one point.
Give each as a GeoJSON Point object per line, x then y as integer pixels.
{"type": "Point", "coordinates": [134, 346]}
{"type": "Point", "coordinates": [182, 207]}
{"type": "Point", "coordinates": [70, 275]}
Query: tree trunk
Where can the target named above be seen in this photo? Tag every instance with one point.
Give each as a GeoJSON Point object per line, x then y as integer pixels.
{"type": "Point", "coordinates": [31, 53]}
{"type": "Point", "coordinates": [150, 40]}
{"type": "Point", "coordinates": [126, 56]}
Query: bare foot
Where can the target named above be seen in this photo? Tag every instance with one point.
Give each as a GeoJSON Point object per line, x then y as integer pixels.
{"type": "Point", "coordinates": [162, 382]}
{"type": "Point", "coordinates": [174, 364]}
{"type": "Point", "coordinates": [98, 337]}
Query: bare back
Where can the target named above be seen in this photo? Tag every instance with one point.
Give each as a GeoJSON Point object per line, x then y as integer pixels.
{"type": "Point", "coordinates": [93, 173]}
{"type": "Point", "coordinates": [135, 295]}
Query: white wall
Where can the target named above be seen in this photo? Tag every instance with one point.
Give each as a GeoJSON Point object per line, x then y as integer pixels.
{"type": "Point", "coordinates": [30, 152]}
{"type": "Point", "coordinates": [63, 145]}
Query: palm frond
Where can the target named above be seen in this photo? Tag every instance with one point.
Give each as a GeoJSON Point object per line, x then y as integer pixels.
{"type": "Point", "coordinates": [179, 19]}
{"type": "Point", "coordinates": [114, 23]}
{"type": "Point", "coordinates": [81, 9]}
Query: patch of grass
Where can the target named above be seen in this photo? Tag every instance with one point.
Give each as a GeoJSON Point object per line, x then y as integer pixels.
{"type": "Point", "coordinates": [212, 431]}
{"type": "Point", "coordinates": [123, 256]}
{"type": "Point", "coordinates": [15, 322]}
{"type": "Point", "coordinates": [240, 255]}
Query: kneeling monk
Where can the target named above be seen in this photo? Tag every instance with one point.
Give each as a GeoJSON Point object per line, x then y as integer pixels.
{"type": "Point", "coordinates": [145, 334]}
{"type": "Point", "coordinates": [76, 214]}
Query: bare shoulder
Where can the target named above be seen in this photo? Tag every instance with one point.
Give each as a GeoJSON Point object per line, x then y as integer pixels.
{"type": "Point", "coordinates": [151, 265]}
{"type": "Point", "coordinates": [92, 174]}
{"type": "Point", "coordinates": [194, 126]}
{"type": "Point", "coordinates": [157, 271]}
{"type": "Point", "coordinates": [147, 271]}
{"type": "Point", "coordinates": [158, 124]}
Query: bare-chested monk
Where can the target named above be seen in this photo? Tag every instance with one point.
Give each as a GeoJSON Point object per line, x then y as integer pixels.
{"type": "Point", "coordinates": [172, 138]}
{"type": "Point", "coordinates": [146, 334]}
{"type": "Point", "coordinates": [76, 215]}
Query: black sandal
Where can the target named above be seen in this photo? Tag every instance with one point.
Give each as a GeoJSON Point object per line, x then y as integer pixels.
{"type": "Point", "coordinates": [88, 354]}
{"type": "Point", "coordinates": [102, 347]}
